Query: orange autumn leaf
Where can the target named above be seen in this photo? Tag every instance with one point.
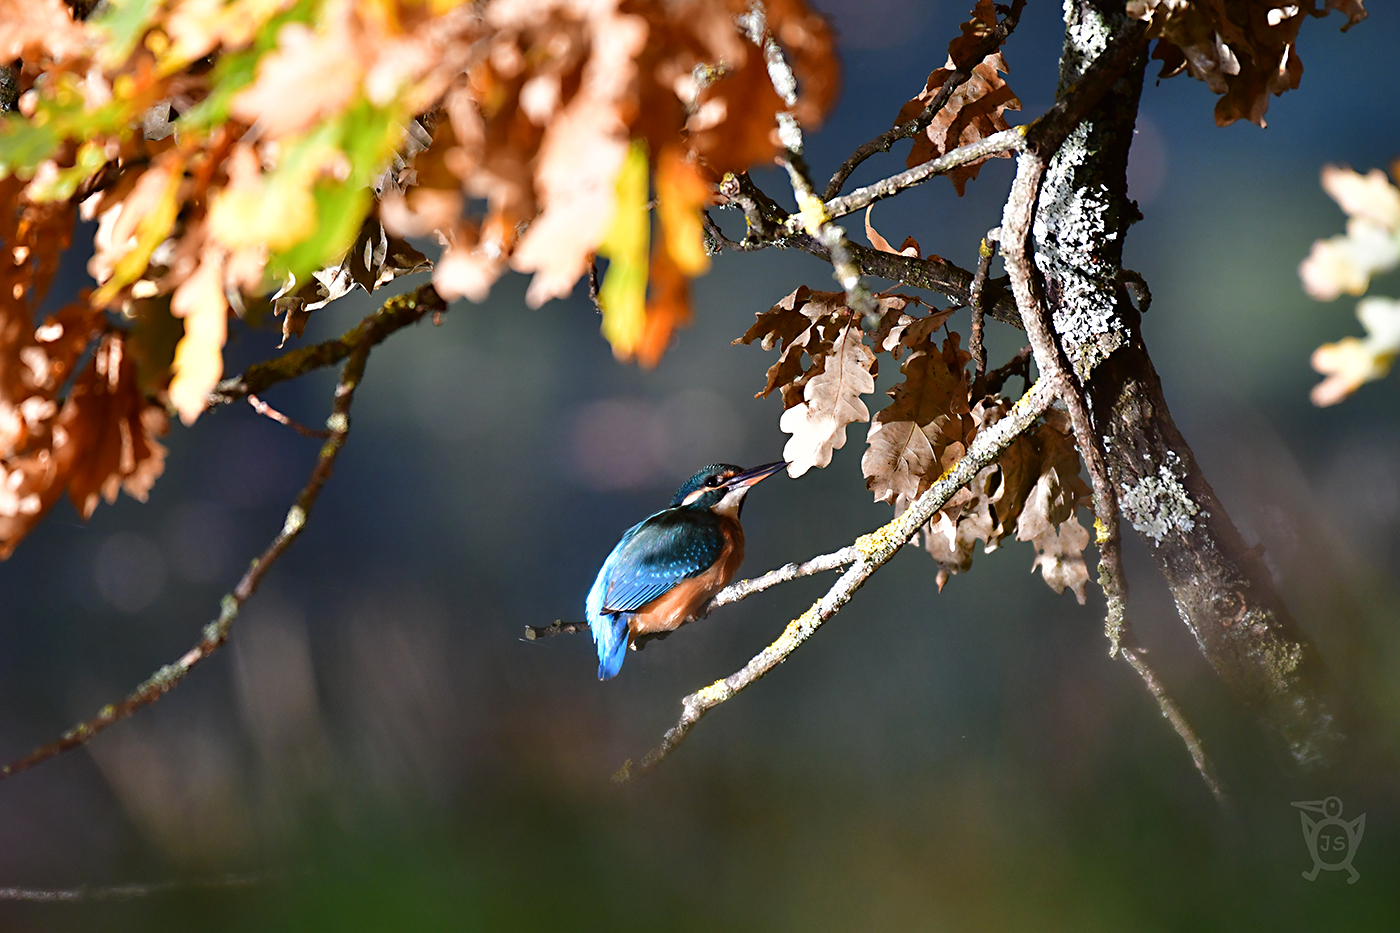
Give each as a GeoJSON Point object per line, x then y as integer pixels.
{"type": "Point", "coordinates": [105, 434]}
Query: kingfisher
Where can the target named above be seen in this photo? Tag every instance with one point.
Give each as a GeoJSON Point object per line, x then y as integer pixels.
{"type": "Point", "coordinates": [667, 567]}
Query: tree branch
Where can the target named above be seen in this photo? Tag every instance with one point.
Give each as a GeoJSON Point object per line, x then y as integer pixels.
{"type": "Point", "coordinates": [396, 313]}
{"type": "Point", "coordinates": [1222, 589]}
{"type": "Point", "coordinates": [216, 633]}
{"type": "Point", "coordinates": [1006, 141]}
{"type": "Point", "coordinates": [732, 593]}
{"type": "Point", "coordinates": [975, 345]}
{"type": "Point", "coordinates": [812, 215]}
{"type": "Point", "coordinates": [1052, 361]}
{"type": "Point", "coordinates": [873, 551]}
{"type": "Point", "coordinates": [267, 411]}
{"type": "Point", "coordinates": [961, 73]}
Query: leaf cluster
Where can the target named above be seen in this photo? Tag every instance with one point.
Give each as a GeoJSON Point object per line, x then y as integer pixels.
{"type": "Point", "coordinates": [827, 363]}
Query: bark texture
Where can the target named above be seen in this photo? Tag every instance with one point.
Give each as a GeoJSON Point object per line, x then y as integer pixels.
{"type": "Point", "coordinates": [1222, 589]}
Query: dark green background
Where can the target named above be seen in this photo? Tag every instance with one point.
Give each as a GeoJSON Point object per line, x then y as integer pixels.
{"type": "Point", "coordinates": [381, 746]}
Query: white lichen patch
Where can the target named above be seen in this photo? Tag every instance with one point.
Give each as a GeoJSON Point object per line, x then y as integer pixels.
{"type": "Point", "coordinates": [1158, 505]}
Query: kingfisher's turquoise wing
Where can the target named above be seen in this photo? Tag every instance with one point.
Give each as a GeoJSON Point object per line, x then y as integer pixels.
{"type": "Point", "coordinates": [657, 554]}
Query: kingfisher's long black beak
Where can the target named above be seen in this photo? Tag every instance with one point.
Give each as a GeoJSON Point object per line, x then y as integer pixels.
{"type": "Point", "coordinates": [757, 474]}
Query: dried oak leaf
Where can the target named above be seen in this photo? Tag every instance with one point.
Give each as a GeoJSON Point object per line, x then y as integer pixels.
{"type": "Point", "coordinates": [201, 301]}
{"type": "Point", "coordinates": [910, 246]}
{"type": "Point", "coordinates": [105, 436]}
{"type": "Point", "coordinates": [1244, 50]}
{"type": "Point", "coordinates": [1049, 519]}
{"type": "Point", "coordinates": [974, 111]}
{"type": "Point", "coordinates": [799, 323]}
{"type": "Point", "coordinates": [831, 399]}
{"type": "Point", "coordinates": [908, 439]}
{"type": "Point", "coordinates": [374, 259]}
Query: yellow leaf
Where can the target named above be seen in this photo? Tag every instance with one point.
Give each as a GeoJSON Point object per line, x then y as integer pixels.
{"type": "Point", "coordinates": [623, 296]}
{"type": "Point", "coordinates": [199, 362]}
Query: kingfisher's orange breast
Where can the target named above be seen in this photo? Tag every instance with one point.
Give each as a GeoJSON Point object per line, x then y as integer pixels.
{"type": "Point", "coordinates": [672, 608]}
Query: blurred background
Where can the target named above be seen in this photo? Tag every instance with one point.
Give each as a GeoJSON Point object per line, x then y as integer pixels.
{"type": "Point", "coordinates": [381, 748]}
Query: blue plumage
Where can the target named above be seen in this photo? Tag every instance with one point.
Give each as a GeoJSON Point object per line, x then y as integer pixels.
{"type": "Point", "coordinates": [676, 544]}
{"type": "Point", "coordinates": [653, 556]}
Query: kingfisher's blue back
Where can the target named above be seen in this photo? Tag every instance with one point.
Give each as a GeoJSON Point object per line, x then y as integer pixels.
{"type": "Point", "coordinates": [668, 566]}
{"type": "Point", "coordinates": [653, 556]}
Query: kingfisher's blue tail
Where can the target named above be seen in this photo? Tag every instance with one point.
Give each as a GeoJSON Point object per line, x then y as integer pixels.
{"type": "Point", "coordinates": [610, 637]}
{"type": "Point", "coordinates": [609, 630]}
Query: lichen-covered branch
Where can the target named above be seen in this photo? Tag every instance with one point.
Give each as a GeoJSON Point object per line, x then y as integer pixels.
{"type": "Point", "coordinates": [812, 215]}
{"type": "Point", "coordinates": [216, 633]}
{"type": "Point", "coordinates": [743, 589]}
{"type": "Point", "coordinates": [1054, 365]}
{"type": "Point", "coordinates": [1222, 589]}
{"type": "Point", "coordinates": [976, 345]}
{"type": "Point", "coordinates": [873, 551]}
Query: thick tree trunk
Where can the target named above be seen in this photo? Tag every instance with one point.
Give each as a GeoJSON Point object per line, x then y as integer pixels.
{"type": "Point", "coordinates": [1222, 589]}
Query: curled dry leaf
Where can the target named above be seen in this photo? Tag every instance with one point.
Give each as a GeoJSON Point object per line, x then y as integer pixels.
{"type": "Point", "coordinates": [974, 111]}
{"type": "Point", "coordinates": [1245, 50]}
{"type": "Point", "coordinates": [910, 246]}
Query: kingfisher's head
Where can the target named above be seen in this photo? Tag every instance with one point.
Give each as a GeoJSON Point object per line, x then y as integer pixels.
{"type": "Point", "coordinates": [721, 487]}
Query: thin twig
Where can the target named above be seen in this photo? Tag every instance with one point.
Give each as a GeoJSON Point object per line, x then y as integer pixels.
{"type": "Point", "coordinates": [267, 411]}
{"type": "Point", "coordinates": [961, 73]}
{"type": "Point", "coordinates": [1178, 721]}
{"type": "Point", "coordinates": [718, 237]}
{"type": "Point", "coordinates": [741, 589]}
{"type": "Point", "coordinates": [1011, 140]}
{"type": "Point", "coordinates": [396, 313]}
{"type": "Point", "coordinates": [975, 346]}
{"type": "Point", "coordinates": [557, 627]}
{"type": "Point", "coordinates": [216, 633]}
{"type": "Point", "coordinates": [873, 551]}
{"type": "Point", "coordinates": [593, 285]}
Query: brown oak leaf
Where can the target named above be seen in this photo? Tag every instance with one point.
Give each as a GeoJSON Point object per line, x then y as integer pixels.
{"type": "Point", "coordinates": [831, 399]}
{"type": "Point", "coordinates": [1049, 520]}
{"type": "Point", "coordinates": [1244, 50]}
{"type": "Point", "coordinates": [908, 438]}
{"type": "Point", "coordinates": [105, 436]}
{"type": "Point", "coordinates": [974, 111]}
{"type": "Point", "coordinates": [803, 323]}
